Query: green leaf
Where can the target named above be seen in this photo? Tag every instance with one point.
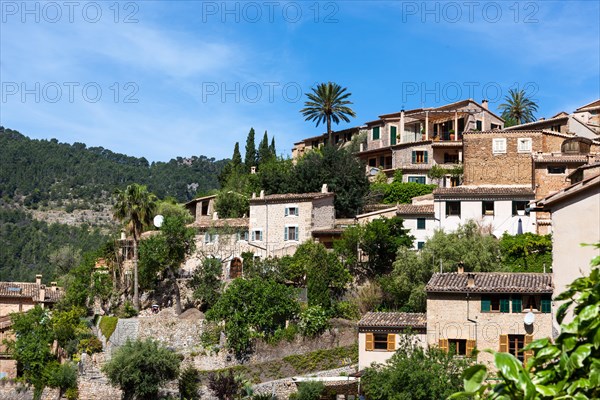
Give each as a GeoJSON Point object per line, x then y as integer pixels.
{"type": "Point", "coordinates": [597, 339]}
{"type": "Point", "coordinates": [547, 352]}
{"type": "Point", "coordinates": [547, 391]}
{"type": "Point", "coordinates": [580, 354]}
{"type": "Point", "coordinates": [537, 344]}
{"type": "Point", "coordinates": [568, 343]}
{"type": "Point", "coordinates": [473, 377]}
{"type": "Point", "coordinates": [562, 311]}
{"type": "Point", "coordinates": [509, 366]}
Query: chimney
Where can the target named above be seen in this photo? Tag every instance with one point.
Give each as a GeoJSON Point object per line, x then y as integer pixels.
{"type": "Point", "coordinates": [262, 194]}
{"type": "Point", "coordinates": [38, 280]}
{"type": "Point", "coordinates": [42, 293]}
{"type": "Point", "coordinates": [484, 104]}
{"type": "Point", "coordinates": [53, 286]}
{"type": "Point", "coordinates": [324, 188]}
{"type": "Point", "coordinates": [123, 236]}
{"type": "Point", "coordinates": [253, 195]}
{"type": "Point", "coordinates": [461, 268]}
{"type": "Point", "coordinates": [253, 170]}
{"type": "Point", "coordinates": [470, 280]}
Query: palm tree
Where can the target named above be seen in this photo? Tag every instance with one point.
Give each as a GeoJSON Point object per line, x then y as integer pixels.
{"type": "Point", "coordinates": [135, 207]}
{"type": "Point", "coordinates": [328, 102]}
{"type": "Point", "coordinates": [518, 108]}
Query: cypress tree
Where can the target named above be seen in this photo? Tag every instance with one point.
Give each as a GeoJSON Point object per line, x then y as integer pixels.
{"type": "Point", "coordinates": [272, 147]}
{"type": "Point", "coordinates": [250, 156]}
{"type": "Point", "coordinates": [264, 152]}
{"type": "Point", "coordinates": [236, 159]}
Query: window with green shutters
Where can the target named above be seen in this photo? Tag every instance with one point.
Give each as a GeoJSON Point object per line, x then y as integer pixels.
{"type": "Point", "coordinates": [546, 305]}
{"type": "Point", "coordinates": [517, 304]}
{"type": "Point", "coordinates": [485, 304]}
{"type": "Point", "coordinates": [376, 133]}
{"type": "Point", "coordinates": [393, 133]}
{"type": "Point", "coordinates": [420, 223]}
{"type": "Point", "coordinates": [505, 305]}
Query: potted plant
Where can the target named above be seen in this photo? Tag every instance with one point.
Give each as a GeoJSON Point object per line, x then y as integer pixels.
{"type": "Point", "coordinates": [451, 132]}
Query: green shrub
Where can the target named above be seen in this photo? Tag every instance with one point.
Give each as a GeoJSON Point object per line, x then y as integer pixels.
{"type": "Point", "coordinates": [347, 310]}
{"type": "Point", "coordinates": [311, 390]}
{"type": "Point", "coordinates": [313, 321]}
{"type": "Point", "coordinates": [90, 345]}
{"type": "Point", "coordinates": [108, 325]}
{"type": "Point", "coordinates": [288, 334]}
{"type": "Point", "coordinates": [129, 310]}
{"type": "Point", "coordinates": [211, 336]}
{"type": "Point", "coordinates": [189, 383]}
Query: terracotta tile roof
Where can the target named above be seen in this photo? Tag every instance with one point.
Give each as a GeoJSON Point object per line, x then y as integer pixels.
{"type": "Point", "coordinates": [516, 131]}
{"type": "Point", "coordinates": [328, 231]}
{"type": "Point", "coordinates": [565, 158]}
{"type": "Point", "coordinates": [29, 290]}
{"type": "Point", "coordinates": [212, 196]}
{"type": "Point", "coordinates": [411, 209]}
{"type": "Point", "coordinates": [493, 191]}
{"type": "Point", "coordinates": [393, 320]}
{"type": "Point", "coordinates": [491, 282]}
{"type": "Point", "coordinates": [291, 197]}
{"type": "Point", "coordinates": [590, 106]}
{"type": "Point", "coordinates": [221, 223]}
{"type": "Point", "coordinates": [556, 118]}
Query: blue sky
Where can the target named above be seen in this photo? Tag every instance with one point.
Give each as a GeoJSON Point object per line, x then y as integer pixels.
{"type": "Point", "coordinates": [161, 79]}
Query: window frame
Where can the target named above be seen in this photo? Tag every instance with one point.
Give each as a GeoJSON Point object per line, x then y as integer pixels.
{"type": "Point", "coordinates": [515, 207]}
{"type": "Point", "coordinates": [499, 149]}
{"type": "Point", "coordinates": [243, 236]}
{"type": "Point", "coordinates": [421, 223]}
{"type": "Point", "coordinates": [485, 208]}
{"type": "Point", "coordinates": [449, 206]}
{"type": "Point", "coordinates": [376, 129]}
{"type": "Point", "coordinates": [524, 140]}
{"type": "Point", "coordinates": [420, 245]}
{"type": "Point", "coordinates": [460, 348]}
{"type": "Point", "coordinates": [288, 212]}
{"type": "Point", "coordinates": [420, 157]}
{"type": "Point", "coordinates": [417, 179]}
{"type": "Point", "coordinates": [562, 168]}
{"type": "Point", "coordinates": [253, 235]}
{"type": "Point", "coordinates": [380, 341]}
{"type": "Point", "coordinates": [286, 233]}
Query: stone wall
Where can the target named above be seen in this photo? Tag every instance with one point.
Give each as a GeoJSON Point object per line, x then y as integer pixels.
{"type": "Point", "coordinates": [10, 390]}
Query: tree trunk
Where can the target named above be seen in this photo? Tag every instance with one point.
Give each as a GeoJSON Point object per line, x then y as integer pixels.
{"type": "Point", "coordinates": [329, 135]}
{"type": "Point", "coordinates": [136, 294]}
{"type": "Point", "coordinates": [177, 292]}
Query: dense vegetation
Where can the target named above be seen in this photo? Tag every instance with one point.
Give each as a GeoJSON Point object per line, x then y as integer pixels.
{"type": "Point", "coordinates": [38, 171]}
{"type": "Point", "coordinates": [29, 247]}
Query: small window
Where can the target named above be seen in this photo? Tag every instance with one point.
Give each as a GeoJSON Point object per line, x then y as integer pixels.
{"type": "Point", "coordinates": [458, 346]}
{"type": "Point", "coordinates": [524, 145]}
{"type": "Point", "coordinates": [453, 208]}
{"type": "Point", "coordinates": [420, 223]}
{"type": "Point", "coordinates": [380, 341]}
{"type": "Point", "coordinates": [417, 179]}
{"type": "Point", "coordinates": [557, 169]}
{"type": "Point", "coordinates": [376, 133]}
{"type": "Point", "coordinates": [495, 126]}
{"type": "Point", "coordinates": [478, 125]}
{"type": "Point", "coordinates": [420, 245]}
{"type": "Point", "coordinates": [372, 162]}
{"type": "Point", "coordinates": [520, 207]}
{"type": "Point", "coordinates": [555, 128]}
{"type": "Point", "coordinates": [210, 238]}
{"type": "Point", "coordinates": [290, 233]}
{"type": "Point", "coordinates": [243, 236]}
{"type": "Point", "coordinates": [487, 208]}
{"type": "Point", "coordinates": [546, 305]}
{"type": "Point", "coordinates": [257, 236]}
{"type": "Point", "coordinates": [495, 304]}
{"type": "Point", "coordinates": [531, 303]}
{"type": "Point", "coordinates": [450, 158]}
{"type": "Point", "coordinates": [516, 343]}
{"type": "Point", "coordinates": [420, 157]}
{"type": "Point", "coordinates": [291, 211]}
{"type": "Point", "coordinates": [499, 146]}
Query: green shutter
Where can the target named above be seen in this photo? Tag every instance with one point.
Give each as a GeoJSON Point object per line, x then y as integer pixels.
{"type": "Point", "coordinates": [393, 132]}
{"type": "Point", "coordinates": [414, 157]}
{"type": "Point", "coordinates": [425, 157]}
{"type": "Point", "coordinates": [505, 305]}
{"type": "Point", "coordinates": [546, 305]}
{"type": "Point", "coordinates": [285, 233]}
{"type": "Point", "coordinates": [517, 304]}
{"type": "Point", "coordinates": [376, 133]}
{"type": "Point", "coordinates": [486, 304]}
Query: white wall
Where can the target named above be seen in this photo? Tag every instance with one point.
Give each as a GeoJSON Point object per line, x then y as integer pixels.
{"type": "Point", "coordinates": [502, 220]}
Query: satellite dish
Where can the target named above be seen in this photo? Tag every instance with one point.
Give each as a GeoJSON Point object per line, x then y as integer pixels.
{"type": "Point", "coordinates": [158, 221]}
{"type": "Point", "coordinates": [529, 318]}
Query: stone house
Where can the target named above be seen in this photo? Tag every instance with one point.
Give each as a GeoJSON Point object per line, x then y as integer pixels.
{"type": "Point", "coordinates": [575, 215]}
{"type": "Point", "coordinates": [488, 311]}
{"type": "Point", "coordinates": [17, 297]}
{"type": "Point", "coordinates": [414, 140]}
{"type": "Point", "coordinates": [584, 122]}
{"type": "Point", "coordinates": [379, 335]}
{"type": "Point", "coordinates": [340, 138]}
{"type": "Point", "coordinates": [276, 226]}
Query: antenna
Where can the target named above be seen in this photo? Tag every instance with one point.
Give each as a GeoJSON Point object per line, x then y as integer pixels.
{"type": "Point", "coordinates": [529, 318]}
{"type": "Point", "coordinates": [158, 221]}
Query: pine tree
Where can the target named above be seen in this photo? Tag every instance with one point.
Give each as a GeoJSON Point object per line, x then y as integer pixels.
{"type": "Point", "coordinates": [264, 152]}
{"type": "Point", "coordinates": [272, 147]}
{"type": "Point", "coordinates": [250, 156]}
{"type": "Point", "coordinates": [236, 159]}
